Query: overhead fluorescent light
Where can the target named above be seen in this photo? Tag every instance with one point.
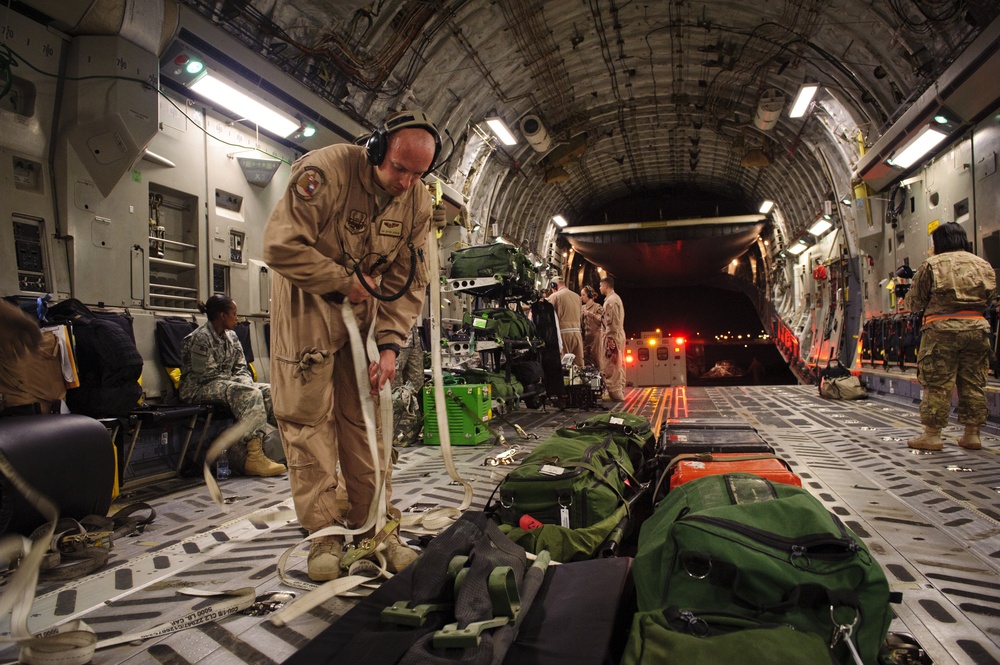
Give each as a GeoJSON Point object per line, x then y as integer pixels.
{"type": "Point", "coordinates": [765, 207]}
{"type": "Point", "coordinates": [560, 221]}
{"type": "Point", "coordinates": [499, 128]}
{"type": "Point", "coordinates": [803, 99]}
{"type": "Point", "coordinates": [821, 226]}
{"type": "Point", "coordinates": [236, 101]}
{"type": "Point", "coordinates": [797, 248]}
{"type": "Point", "coordinates": [922, 143]}
{"type": "Point", "coordinates": [502, 239]}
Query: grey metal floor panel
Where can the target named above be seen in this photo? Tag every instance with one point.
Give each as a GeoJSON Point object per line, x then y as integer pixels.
{"type": "Point", "coordinates": [932, 521]}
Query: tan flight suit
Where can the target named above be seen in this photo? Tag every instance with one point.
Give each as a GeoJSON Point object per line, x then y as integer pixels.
{"type": "Point", "coordinates": [613, 332]}
{"type": "Point", "coordinates": [953, 289]}
{"type": "Point", "coordinates": [567, 307]}
{"type": "Point", "coordinates": [332, 216]}
{"type": "Point", "coordinates": [591, 315]}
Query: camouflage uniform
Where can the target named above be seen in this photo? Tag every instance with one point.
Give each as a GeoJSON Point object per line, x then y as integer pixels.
{"type": "Point", "coordinates": [613, 330]}
{"type": "Point", "coordinates": [592, 313]}
{"type": "Point", "coordinates": [953, 289]}
{"type": "Point", "coordinates": [214, 369]}
{"type": "Point", "coordinates": [567, 307]}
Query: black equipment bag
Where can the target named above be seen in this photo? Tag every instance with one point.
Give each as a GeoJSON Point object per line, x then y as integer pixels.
{"type": "Point", "coordinates": [108, 362]}
{"type": "Point", "coordinates": [579, 616]}
{"type": "Point", "coordinates": [543, 315]}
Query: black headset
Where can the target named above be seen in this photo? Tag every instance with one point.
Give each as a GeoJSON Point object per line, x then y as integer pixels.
{"type": "Point", "coordinates": [378, 143]}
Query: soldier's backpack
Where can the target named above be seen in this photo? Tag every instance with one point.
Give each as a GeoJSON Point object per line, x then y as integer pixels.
{"type": "Point", "coordinates": [108, 362]}
{"type": "Point", "coordinates": [742, 549]}
{"type": "Point", "coordinates": [515, 276]}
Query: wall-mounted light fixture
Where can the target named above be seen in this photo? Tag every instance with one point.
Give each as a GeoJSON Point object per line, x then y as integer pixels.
{"type": "Point", "coordinates": [820, 226]}
{"type": "Point", "coordinates": [560, 221]}
{"type": "Point", "coordinates": [803, 99]}
{"type": "Point", "coordinates": [501, 130]}
{"type": "Point", "coordinates": [214, 88]}
{"type": "Point", "coordinates": [766, 206]}
{"type": "Point", "coordinates": [925, 140]}
{"type": "Point", "coordinates": [797, 248]}
{"type": "Point", "coordinates": [504, 240]}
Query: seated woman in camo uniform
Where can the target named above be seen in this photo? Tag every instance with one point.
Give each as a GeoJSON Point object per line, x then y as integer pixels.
{"type": "Point", "coordinates": [214, 369]}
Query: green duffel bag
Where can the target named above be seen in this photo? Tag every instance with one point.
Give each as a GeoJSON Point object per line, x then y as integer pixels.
{"type": "Point", "coordinates": [691, 639]}
{"type": "Point", "coordinates": [507, 391]}
{"type": "Point", "coordinates": [740, 545]}
{"type": "Point", "coordinates": [631, 432]}
{"type": "Point", "coordinates": [566, 545]}
{"type": "Point", "coordinates": [499, 323]}
{"type": "Point", "coordinates": [498, 259]}
{"type": "Point", "coordinates": [570, 479]}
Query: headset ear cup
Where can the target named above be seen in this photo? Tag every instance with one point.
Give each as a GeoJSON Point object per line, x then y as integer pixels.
{"type": "Point", "coordinates": [376, 146]}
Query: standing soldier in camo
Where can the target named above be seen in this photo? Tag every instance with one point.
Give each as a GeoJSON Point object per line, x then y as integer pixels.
{"type": "Point", "coordinates": [953, 288]}
{"type": "Point", "coordinates": [214, 369]}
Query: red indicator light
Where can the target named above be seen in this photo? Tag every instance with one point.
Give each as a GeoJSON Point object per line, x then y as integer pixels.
{"type": "Point", "coordinates": [181, 59]}
{"type": "Point", "coordinates": [679, 340]}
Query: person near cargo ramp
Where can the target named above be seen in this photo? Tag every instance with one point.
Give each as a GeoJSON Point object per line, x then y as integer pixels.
{"type": "Point", "coordinates": [214, 369]}
{"type": "Point", "coordinates": [567, 306]}
{"type": "Point", "coordinates": [591, 315]}
{"type": "Point", "coordinates": [613, 340]}
{"type": "Point", "coordinates": [952, 287]}
{"type": "Point", "coordinates": [353, 222]}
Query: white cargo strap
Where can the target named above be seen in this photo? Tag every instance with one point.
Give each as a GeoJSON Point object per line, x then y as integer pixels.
{"type": "Point", "coordinates": [436, 520]}
{"type": "Point", "coordinates": [74, 642]}
{"type": "Point", "coordinates": [377, 511]}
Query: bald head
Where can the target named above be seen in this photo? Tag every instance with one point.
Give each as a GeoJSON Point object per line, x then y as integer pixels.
{"type": "Point", "coordinates": [408, 156]}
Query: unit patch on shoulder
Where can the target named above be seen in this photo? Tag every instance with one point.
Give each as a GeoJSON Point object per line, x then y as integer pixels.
{"type": "Point", "coordinates": [309, 183]}
{"type": "Point", "coordinates": [392, 228]}
{"type": "Point", "coordinates": [356, 222]}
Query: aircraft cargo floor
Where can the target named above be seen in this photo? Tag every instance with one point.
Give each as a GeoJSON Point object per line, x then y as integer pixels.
{"type": "Point", "coordinates": [932, 521]}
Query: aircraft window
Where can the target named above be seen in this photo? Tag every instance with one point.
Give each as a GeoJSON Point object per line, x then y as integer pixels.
{"type": "Point", "coordinates": [643, 354]}
{"type": "Point", "coordinates": [663, 353]}
{"type": "Point", "coordinates": [962, 210]}
{"type": "Point", "coordinates": [935, 199]}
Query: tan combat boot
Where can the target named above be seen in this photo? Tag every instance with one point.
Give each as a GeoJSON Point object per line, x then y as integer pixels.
{"type": "Point", "coordinates": [259, 464]}
{"type": "Point", "coordinates": [323, 563]}
{"type": "Point", "coordinates": [397, 555]}
{"type": "Point", "coordinates": [970, 440]}
{"type": "Point", "coordinates": [929, 440]}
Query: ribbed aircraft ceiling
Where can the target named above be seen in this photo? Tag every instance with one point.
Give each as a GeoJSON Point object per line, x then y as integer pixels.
{"type": "Point", "coordinates": [641, 100]}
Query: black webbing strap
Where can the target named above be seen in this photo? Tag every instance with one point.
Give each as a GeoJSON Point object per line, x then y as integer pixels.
{"type": "Point", "coordinates": [430, 582]}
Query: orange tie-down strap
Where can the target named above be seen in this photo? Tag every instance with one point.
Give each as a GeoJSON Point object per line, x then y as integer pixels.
{"type": "Point", "coordinates": [962, 314]}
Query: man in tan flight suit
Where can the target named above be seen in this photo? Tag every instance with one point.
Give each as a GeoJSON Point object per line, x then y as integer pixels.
{"type": "Point", "coordinates": [354, 219]}
{"type": "Point", "coordinates": [567, 306]}
{"type": "Point", "coordinates": [592, 313]}
{"type": "Point", "coordinates": [613, 340]}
